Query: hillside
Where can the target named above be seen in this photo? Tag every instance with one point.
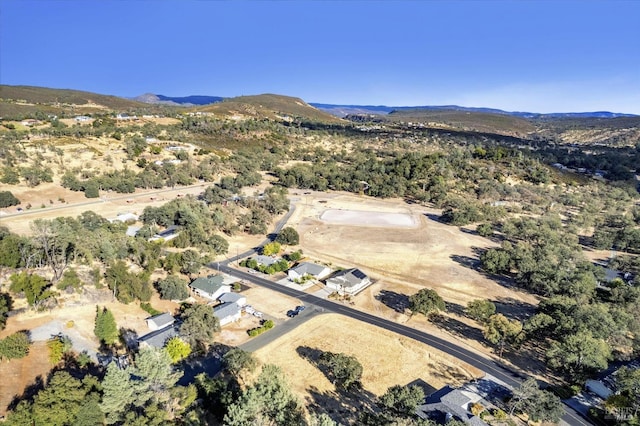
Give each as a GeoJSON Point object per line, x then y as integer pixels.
{"type": "Point", "coordinates": [467, 120]}
{"type": "Point", "coordinates": [270, 106]}
{"type": "Point", "coordinates": [26, 101]}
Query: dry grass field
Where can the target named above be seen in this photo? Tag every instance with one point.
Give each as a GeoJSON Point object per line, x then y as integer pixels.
{"type": "Point", "coordinates": [387, 360]}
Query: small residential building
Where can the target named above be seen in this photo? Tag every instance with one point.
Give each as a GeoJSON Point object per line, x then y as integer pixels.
{"type": "Point", "coordinates": [348, 281]}
{"type": "Point", "coordinates": [30, 122]}
{"type": "Point", "coordinates": [227, 313]}
{"type": "Point", "coordinates": [125, 217]}
{"type": "Point", "coordinates": [450, 403]}
{"type": "Point", "coordinates": [168, 234]}
{"type": "Point", "coordinates": [132, 230]}
{"type": "Point", "coordinates": [211, 287]}
{"type": "Point", "coordinates": [160, 321]}
{"type": "Point", "coordinates": [82, 118]}
{"type": "Point", "coordinates": [236, 298]}
{"type": "Point", "coordinates": [266, 260]}
{"type": "Point", "coordinates": [157, 339]}
{"type": "Point", "coordinates": [307, 268]}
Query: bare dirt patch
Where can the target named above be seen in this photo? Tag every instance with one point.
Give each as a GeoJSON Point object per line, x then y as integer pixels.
{"type": "Point", "coordinates": [387, 359]}
{"type": "Point", "coordinates": [17, 374]}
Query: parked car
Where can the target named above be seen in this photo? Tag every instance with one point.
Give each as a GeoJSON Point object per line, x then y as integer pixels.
{"type": "Point", "coordinates": [249, 309]}
{"type": "Point", "coordinates": [293, 312]}
{"type": "Point", "coordinates": [258, 314]}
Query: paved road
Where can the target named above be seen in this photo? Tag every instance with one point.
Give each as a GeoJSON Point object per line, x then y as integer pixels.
{"type": "Point", "coordinates": [35, 211]}
{"type": "Point", "coordinates": [472, 358]}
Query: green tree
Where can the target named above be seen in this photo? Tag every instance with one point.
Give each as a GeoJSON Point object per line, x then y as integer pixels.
{"type": "Point", "coordinates": [6, 304]}
{"type": "Point", "coordinates": [173, 288]}
{"type": "Point", "coordinates": [288, 236]}
{"type": "Point", "coordinates": [501, 331]}
{"type": "Point", "coordinates": [401, 400]}
{"type": "Point", "coordinates": [14, 346]}
{"type": "Point", "coordinates": [579, 353]}
{"type": "Point", "coordinates": [127, 286]}
{"type": "Point", "coordinates": [539, 404]}
{"type": "Point", "coordinates": [343, 370]}
{"type": "Point", "coordinates": [58, 346]}
{"type": "Point", "coordinates": [177, 349]}
{"type": "Point", "coordinates": [106, 329]}
{"type": "Point", "coordinates": [7, 199]}
{"type": "Point", "coordinates": [190, 262]}
{"type": "Point", "coordinates": [236, 361]}
{"type": "Point", "coordinates": [35, 288]}
{"type": "Point", "coordinates": [199, 325]}
{"type": "Point", "coordinates": [426, 302]}
{"type": "Point", "coordinates": [271, 249]}
{"type": "Point", "coordinates": [480, 310]}
{"type": "Point", "coordinates": [268, 401]}
{"type": "Point", "coordinates": [117, 393]}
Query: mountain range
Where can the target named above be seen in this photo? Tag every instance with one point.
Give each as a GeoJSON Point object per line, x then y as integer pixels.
{"type": "Point", "coordinates": [344, 110]}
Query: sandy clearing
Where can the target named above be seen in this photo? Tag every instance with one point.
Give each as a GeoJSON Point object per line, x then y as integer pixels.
{"type": "Point", "coordinates": [366, 218]}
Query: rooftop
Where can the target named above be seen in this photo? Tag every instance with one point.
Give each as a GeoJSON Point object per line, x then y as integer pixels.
{"type": "Point", "coordinates": [209, 284]}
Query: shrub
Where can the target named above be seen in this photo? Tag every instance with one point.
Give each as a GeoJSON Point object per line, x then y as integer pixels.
{"type": "Point", "coordinates": [7, 199]}
{"type": "Point", "coordinates": [149, 309]}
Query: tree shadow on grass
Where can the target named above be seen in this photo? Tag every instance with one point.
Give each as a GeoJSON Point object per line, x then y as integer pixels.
{"type": "Point", "coordinates": [514, 309]}
{"type": "Point", "coordinates": [457, 328]}
{"type": "Point", "coordinates": [28, 394]}
{"type": "Point", "coordinates": [396, 301]}
{"type": "Point", "coordinates": [354, 396]}
{"type": "Point", "coordinates": [341, 407]}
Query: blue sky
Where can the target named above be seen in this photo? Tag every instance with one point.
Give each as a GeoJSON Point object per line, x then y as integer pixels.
{"type": "Point", "coordinates": [541, 56]}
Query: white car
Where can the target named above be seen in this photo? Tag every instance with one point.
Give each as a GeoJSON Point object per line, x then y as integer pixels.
{"type": "Point", "coordinates": [249, 309]}
{"type": "Point", "coordinates": [257, 314]}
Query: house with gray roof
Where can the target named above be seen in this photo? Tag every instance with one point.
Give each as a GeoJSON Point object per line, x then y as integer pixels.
{"type": "Point", "coordinates": [160, 321]}
{"type": "Point", "coordinates": [348, 281]}
{"type": "Point", "coordinates": [236, 298]}
{"type": "Point", "coordinates": [227, 312]}
{"type": "Point", "coordinates": [158, 338]}
{"type": "Point", "coordinates": [307, 268]}
{"type": "Point", "coordinates": [448, 403]}
{"type": "Point", "coordinates": [265, 260]}
{"type": "Point", "coordinates": [211, 287]}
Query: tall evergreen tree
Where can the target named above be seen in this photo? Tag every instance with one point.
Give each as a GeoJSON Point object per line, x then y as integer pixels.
{"type": "Point", "coordinates": [106, 328]}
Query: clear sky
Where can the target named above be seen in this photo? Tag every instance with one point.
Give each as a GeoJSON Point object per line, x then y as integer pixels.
{"type": "Point", "coordinates": [540, 56]}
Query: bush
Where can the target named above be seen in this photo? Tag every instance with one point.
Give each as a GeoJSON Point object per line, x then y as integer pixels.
{"type": "Point", "coordinates": [7, 199]}
{"type": "Point", "coordinates": [266, 325]}
{"type": "Point", "coordinates": [149, 309]}
{"type": "Point", "coordinates": [14, 346]}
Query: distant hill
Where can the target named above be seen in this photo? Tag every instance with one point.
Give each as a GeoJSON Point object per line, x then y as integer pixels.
{"type": "Point", "coordinates": [270, 106]}
{"type": "Point", "coordinates": [192, 100]}
{"type": "Point", "coordinates": [343, 110]}
{"type": "Point", "coordinates": [45, 95]}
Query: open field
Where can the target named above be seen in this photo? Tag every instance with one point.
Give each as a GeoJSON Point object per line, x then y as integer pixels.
{"type": "Point", "coordinates": [387, 360]}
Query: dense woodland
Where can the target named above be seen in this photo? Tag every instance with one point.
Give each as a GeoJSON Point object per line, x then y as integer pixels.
{"type": "Point", "coordinates": [503, 188]}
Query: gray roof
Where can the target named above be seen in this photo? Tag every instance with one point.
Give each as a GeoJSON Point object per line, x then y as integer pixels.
{"type": "Point", "coordinates": [230, 297]}
{"type": "Point", "coordinates": [158, 338]}
{"type": "Point", "coordinates": [161, 320]}
{"type": "Point", "coordinates": [449, 401]}
{"type": "Point", "coordinates": [265, 260]}
{"type": "Point", "coordinates": [348, 278]}
{"type": "Point", "coordinates": [226, 310]}
{"type": "Point", "coordinates": [309, 268]}
{"type": "Point", "coordinates": [209, 284]}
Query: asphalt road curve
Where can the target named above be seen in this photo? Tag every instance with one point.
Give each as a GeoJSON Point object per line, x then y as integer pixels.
{"type": "Point", "coordinates": [472, 358]}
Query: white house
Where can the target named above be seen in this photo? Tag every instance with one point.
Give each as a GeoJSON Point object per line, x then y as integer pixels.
{"type": "Point", "coordinates": [227, 313]}
{"type": "Point", "coordinates": [168, 234]}
{"type": "Point", "coordinates": [307, 268]}
{"type": "Point", "coordinates": [266, 260]}
{"type": "Point", "coordinates": [160, 321]}
{"type": "Point", "coordinates": [348, 281]}
{"type": "Point", "coordinates": [211, 287]}
{"type": "Point", "coordinates": [236, 298]}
